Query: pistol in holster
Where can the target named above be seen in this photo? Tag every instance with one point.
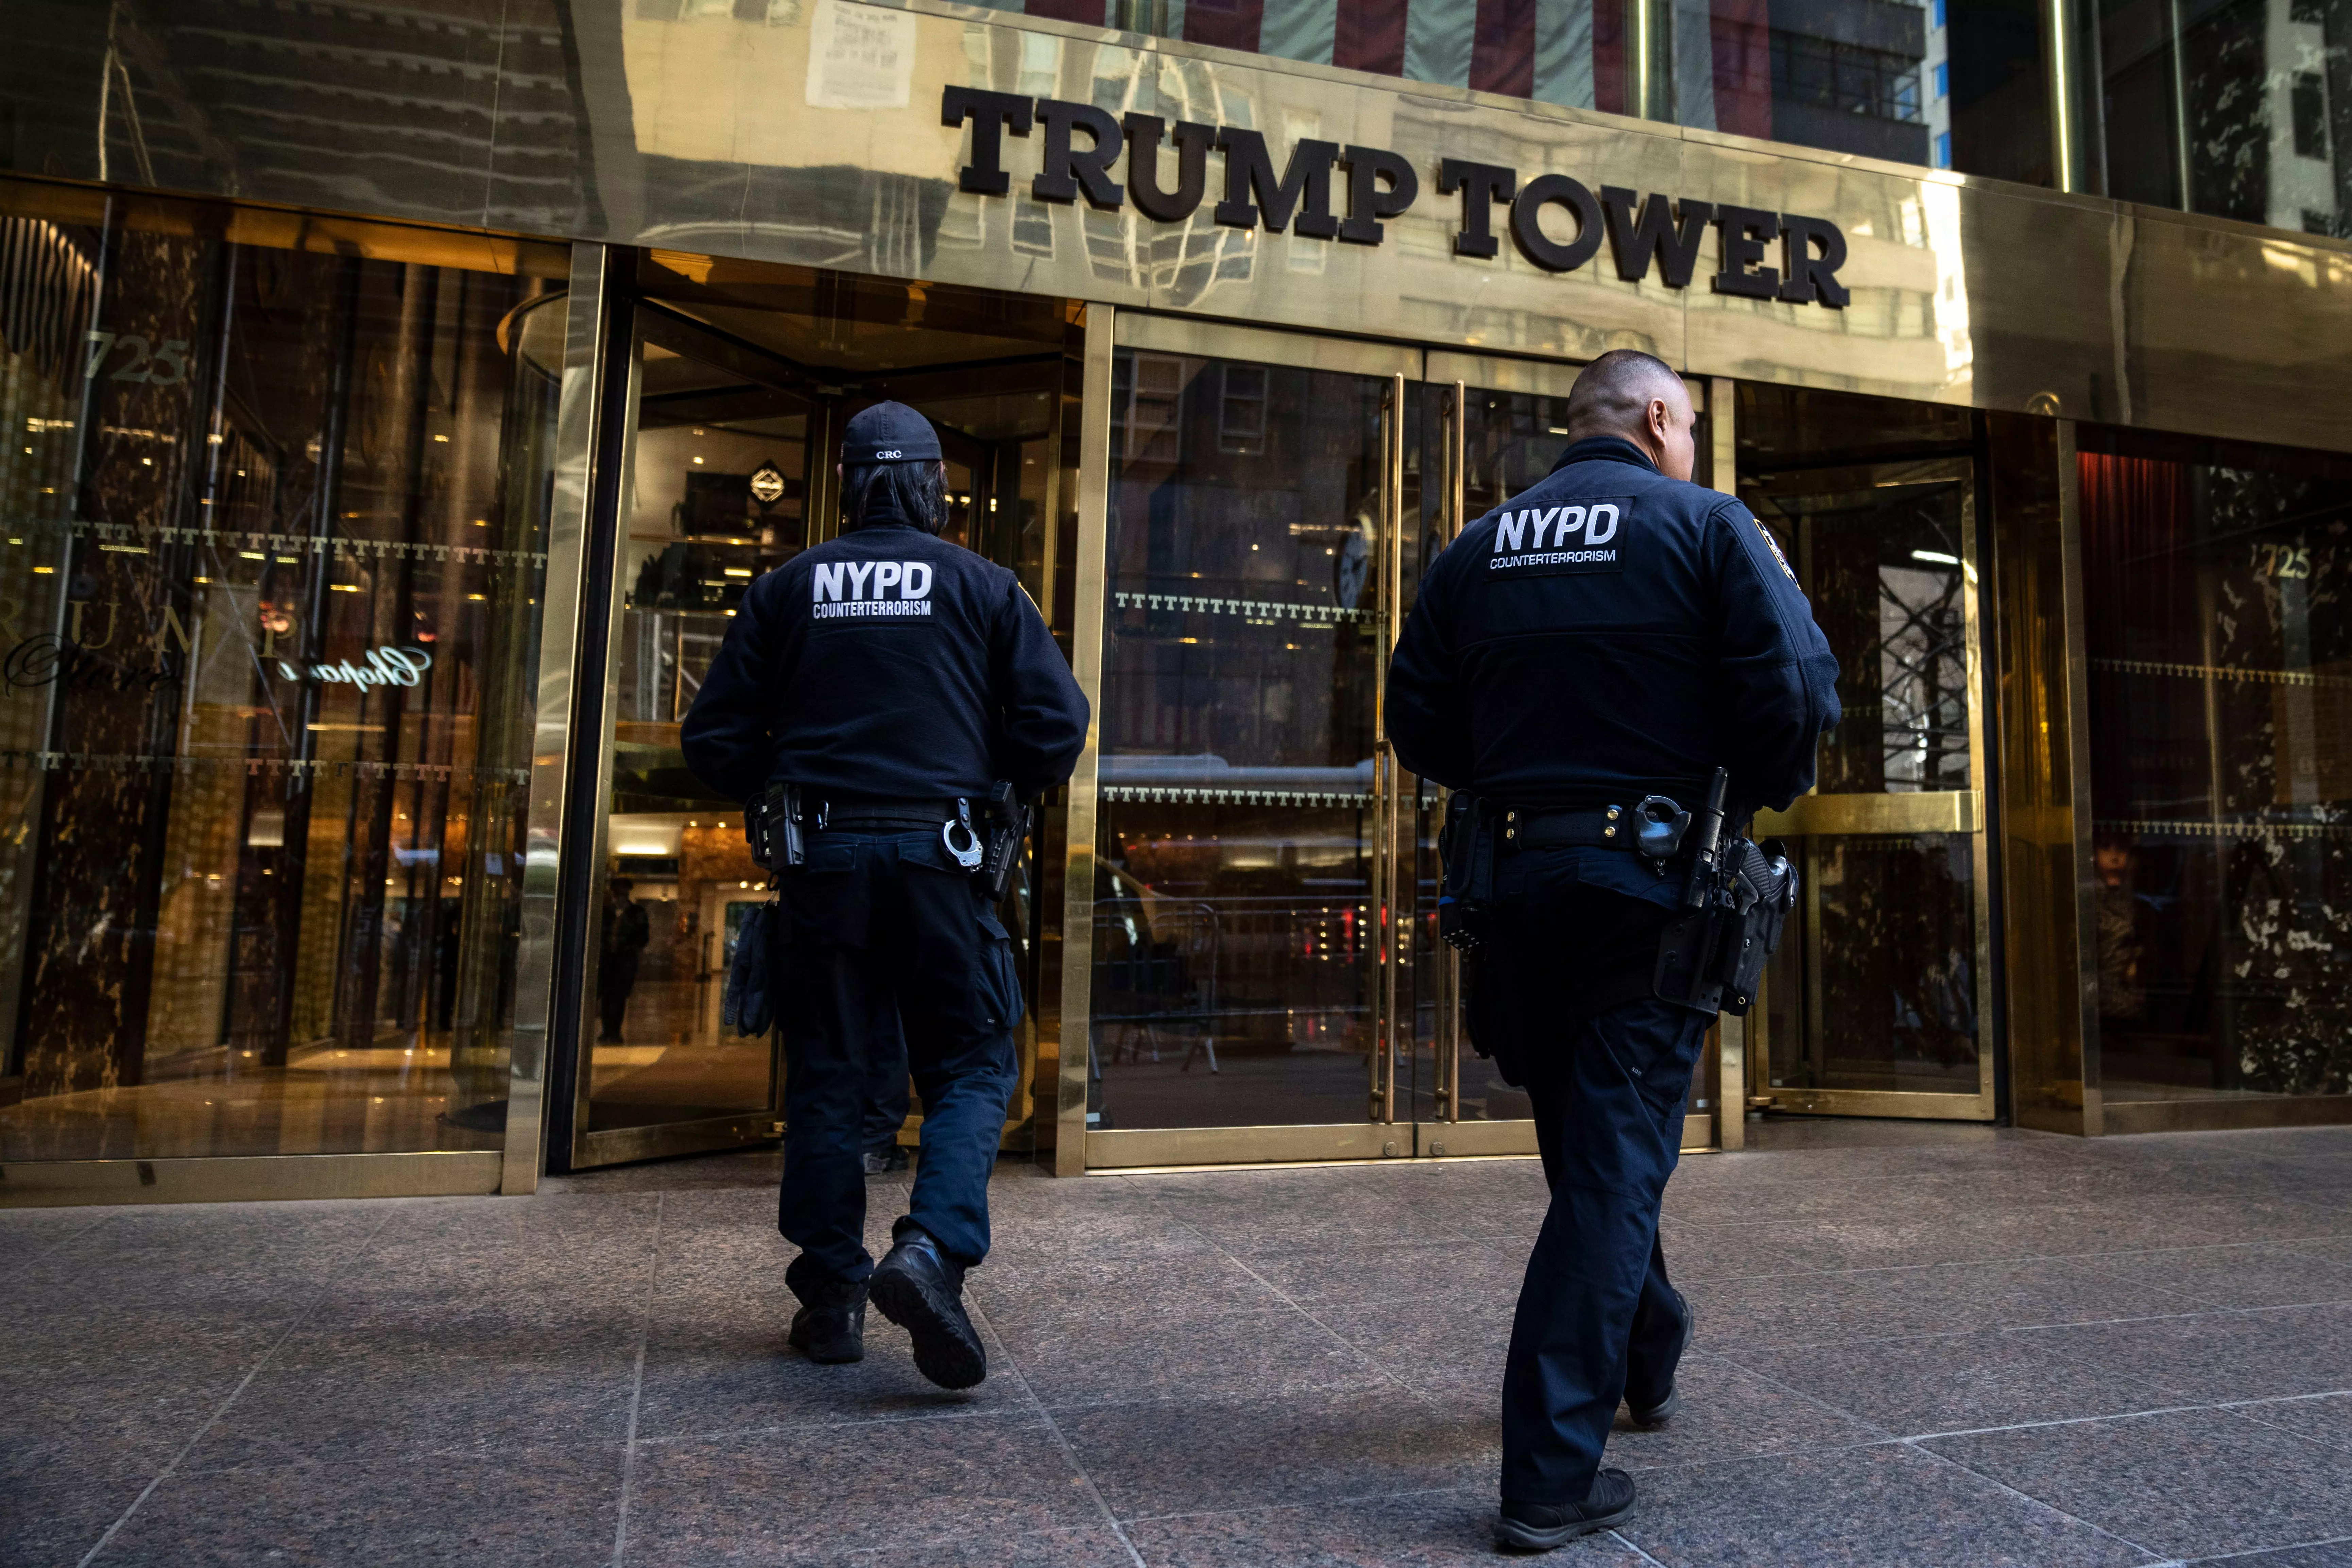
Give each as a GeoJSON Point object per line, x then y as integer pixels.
{"type": "Point", "coordinates": [1738, 897]}
{"type": "Point", "coordinates": [1008, 830]}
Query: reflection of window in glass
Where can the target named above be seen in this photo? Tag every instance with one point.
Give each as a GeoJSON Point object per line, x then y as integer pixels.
{"type": "Point", "coordinates": [1849, 78]}
{"type": "Point", "coordinates": [1241, 419]}
{"type": "Point", "coordinates": [2309, 100]}
{"type": "Point", "coordinates": [1154, 393]}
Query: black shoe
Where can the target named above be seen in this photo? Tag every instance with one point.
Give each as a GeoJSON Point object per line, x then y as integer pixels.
{"type": "Point", "coordinates": [829, 1327]}
{"type": "Point", "coordinates": [1649, 1407]}
{"type": "Point", "coordinates": [917, 1288]}
{"type": "Point", "coordinates": [1542, 1526]}
{"type": "Point", "coordinates": [882, 1161]}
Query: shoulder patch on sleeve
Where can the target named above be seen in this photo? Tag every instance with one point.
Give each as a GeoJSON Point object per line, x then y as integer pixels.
{"type": "Point", "coordinates": [1771, 544]}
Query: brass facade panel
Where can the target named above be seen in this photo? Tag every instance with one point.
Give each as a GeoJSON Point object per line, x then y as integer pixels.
{"type": "Point", "coordinates": [1448, 1140]}
{"type": "Point", "coordinates": [2043, 778]}
{"type": "Point", "coordinates": [1881, 1102]}
{"type": "Point", "coordinates": [1939, 811]}
{"type": "Point", "coordinates": [2221, 1115]}
{"type": "Point", "coordinates": [1222, 340]}
{"type": "Point", "coordinates": [1130, 1146]}
{"type": "Point", "coordinates": [725, 128]}
{"type": "Point", "coordinates": [1532, 377]}
{"type": "Point", "coordinates": [620, 1145]}
{"type": "Point", "coordinates": [1072, 1145]}
{"type": "Point", "coordinates": [251, 1178]}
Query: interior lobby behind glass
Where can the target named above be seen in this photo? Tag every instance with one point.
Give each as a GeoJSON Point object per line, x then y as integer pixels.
{"type": "Point", "coordinates": [2220, 684]}
{"type": "Point", "coordinates": [276, 497]}
{"type": "Point", "coordinates": [746, 374]}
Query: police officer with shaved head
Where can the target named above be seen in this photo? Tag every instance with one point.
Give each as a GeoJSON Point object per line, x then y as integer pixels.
{"type": "Point", "coordinates": [887, 705]}
{"type": "Point", "coordinates": [1580, 665]}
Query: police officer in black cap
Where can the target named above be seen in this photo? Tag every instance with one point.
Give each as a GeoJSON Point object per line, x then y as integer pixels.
{"type": "Point", "coordinates": [890, 679]}
{"type": "Point", "coordinates": [1613, 632]}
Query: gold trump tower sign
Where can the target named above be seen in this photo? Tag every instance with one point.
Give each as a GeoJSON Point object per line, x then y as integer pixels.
{"type": "Point", "coordinates": [1643, 231]}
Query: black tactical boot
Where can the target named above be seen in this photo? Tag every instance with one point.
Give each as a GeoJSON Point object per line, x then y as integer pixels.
{"type": "Point", "coordinates": [918, 1287]}
{"type": "Point", "coordinates": [885, 1160]}
{"type": "Point", "coordinates": [1541, 1526]}
{"type": "Point", "coordinates": [1656, 1402]}
{"type": "Point", "coordinates": [829, 1327]}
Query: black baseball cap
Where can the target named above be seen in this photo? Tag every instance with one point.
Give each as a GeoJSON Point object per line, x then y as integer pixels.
{"type": "Point", "coordinates": [888, 433]}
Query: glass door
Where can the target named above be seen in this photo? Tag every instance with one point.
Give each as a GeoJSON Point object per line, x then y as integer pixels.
{"type": "Point", "coordinates": [1875, 1004]}
{"type": "Point", "coordinates": [712, 491]}
{"type": "Point", "coordinates": [1493, 428]}
{"type": "Point", "coordinates": [1246, 990]}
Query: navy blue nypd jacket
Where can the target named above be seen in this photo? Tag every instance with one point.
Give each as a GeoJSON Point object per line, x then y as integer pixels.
{"type": "Point", "coordinates": [887, 664]}
{"type": "Point", "coordinates": [1608, 634]}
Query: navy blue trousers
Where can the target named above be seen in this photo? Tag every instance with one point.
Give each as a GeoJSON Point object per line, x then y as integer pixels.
{"type": "Point", "coordinates": [1608, 1092]}
{"type": "Point", "coordinates": [876, 922]}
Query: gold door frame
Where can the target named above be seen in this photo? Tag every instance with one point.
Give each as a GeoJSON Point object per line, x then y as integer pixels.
{"type": "Point", "coordinates": [1449, 377]}
{"type": "Point", "coordinates": [1379, 1136]}
{"type": "Point", "coordinates": [636, 324]}
{"type": "Point", "coordinates": [1943, 811]}
{"type": "Point", "coordinates": [1453, 376]}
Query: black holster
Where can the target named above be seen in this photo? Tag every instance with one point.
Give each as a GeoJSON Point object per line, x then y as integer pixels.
{"type": "Point", "coordinates": [1713, 959]}
{"type": "Point", "coordinates": [1465, 848]}
{"type": "Point", "coordinates": [771, 824]}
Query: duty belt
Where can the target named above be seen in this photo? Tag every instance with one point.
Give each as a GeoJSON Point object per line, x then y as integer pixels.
{"type": "Point", "coordinates": [1603, 828]}
{"type": "Point", "coordinates": [864, 813]}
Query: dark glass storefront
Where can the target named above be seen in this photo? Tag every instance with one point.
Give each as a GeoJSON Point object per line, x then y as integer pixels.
{"type": "Point", "coordinates": [2220, 678]}
{"type": "Point", "coordinates": [277, 491]}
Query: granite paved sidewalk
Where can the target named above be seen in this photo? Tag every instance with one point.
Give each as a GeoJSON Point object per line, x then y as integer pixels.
{"type": "Point", "coordinates": [1917, 1345]}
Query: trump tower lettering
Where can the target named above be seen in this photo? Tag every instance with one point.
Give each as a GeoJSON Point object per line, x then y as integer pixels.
{"type": "Point", "coordinates": [1642, 230]}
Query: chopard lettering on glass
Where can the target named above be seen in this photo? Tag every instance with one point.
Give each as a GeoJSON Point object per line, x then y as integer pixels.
{"type": "Point", "coordinates": [1643, 232]}
{"type": "Point", "coordinates": [871, 590]}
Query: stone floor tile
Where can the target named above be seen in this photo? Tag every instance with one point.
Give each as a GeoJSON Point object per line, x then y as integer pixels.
{"type": "Point", "coordinates": [2266, 1274]}
{"type": "Point", "coordinates": [52, 1509]}
{"type": "Point", "coordinates": [2187, 1483]}
{"type": "Point", "coordinates": [1423, 1529]}
{"type": "Point", "coordinates": [367, 1392]}
{"type": "Point", "coordinates": [773, 1497]}
{"type": "Point", "coordinates": [717, 1362]}
{"type": "Point", "coordinates": [1047, 1236]}
{"type": "Point", "coordinates": [2216, 1357]}
{"type": "Point", "coordinates": [1728, 1411]}
{"type": "Point", "coordinates": [27, 1234]}
{"type": "Point", "coordinates": [1424, 1348]}
{"type": "Point", "coordinates": [1287, 1229]}
{"type": "Point", "coordinates": [1228, 1354]}
{"type": "Point", "coordinates": [1944, 1383]}
{"type": "Point", "coordinates": [1198, 1456]}
{"type": "Point", "coordinates": [2326, 1419]}
{"type": "Point", "coordinates": [551, 1506]}
{"type": "Point", "coordinates": [1892, 1505]}
{"type": "Point", "coordinates": [1465, 1271]}
{"type": "Point", "coordinates": [2319, 1554]}
{"type": "Point", "coordinates": [1037, 1294]}
{"type": "Point", "coordinates": [1091, 1546]}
